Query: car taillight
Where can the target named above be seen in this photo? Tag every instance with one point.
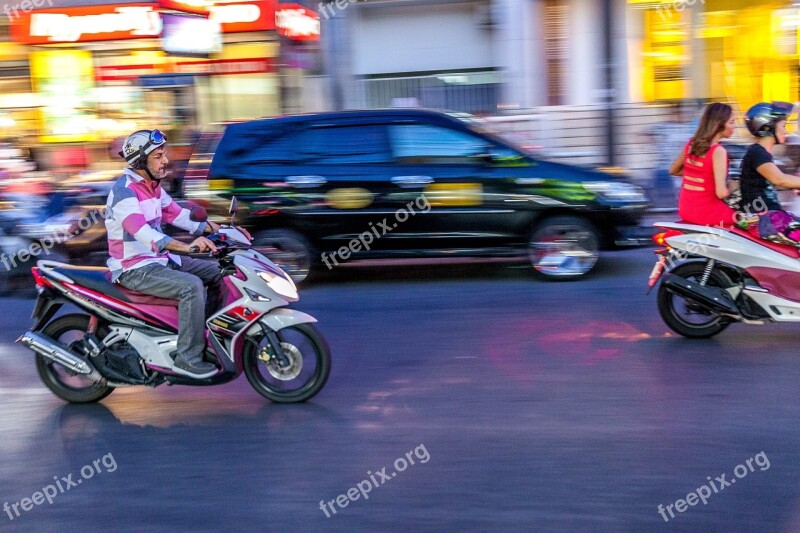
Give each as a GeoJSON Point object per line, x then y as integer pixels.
{"type": "Point", "coordinates": [661, 238]}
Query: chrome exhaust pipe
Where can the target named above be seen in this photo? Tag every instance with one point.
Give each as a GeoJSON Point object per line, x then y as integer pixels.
{"type": "Point", "coordinates": [47, 347]}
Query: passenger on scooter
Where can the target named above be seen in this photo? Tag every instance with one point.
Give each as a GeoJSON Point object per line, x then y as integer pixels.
{"type": "Point", "coordinates": [761, 176]}
{"type": "Point", "coordinates": [139, 258]}
{"type": "Point", "coordinates": [704, 164]}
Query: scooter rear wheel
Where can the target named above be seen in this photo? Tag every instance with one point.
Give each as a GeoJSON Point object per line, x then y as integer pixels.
{"type": "Point", "coordinates": [66, 384]}
{"type": "Point", "coordinates": [684, 316]}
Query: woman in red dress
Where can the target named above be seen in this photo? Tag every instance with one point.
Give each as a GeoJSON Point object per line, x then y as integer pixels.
{"type": "Point", "coordinates": [704, 164]}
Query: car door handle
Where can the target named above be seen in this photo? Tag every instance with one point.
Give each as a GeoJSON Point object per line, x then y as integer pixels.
{"type": "Point", "coordinates": [412, 181]}
{"type": "Point", "coordinates": [306, 181]}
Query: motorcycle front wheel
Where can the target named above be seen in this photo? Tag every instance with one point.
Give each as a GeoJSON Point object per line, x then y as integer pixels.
{"type": "Point", "coordinates": [306, 371]}
{"type": "Point", "coordinates": [686, 317]}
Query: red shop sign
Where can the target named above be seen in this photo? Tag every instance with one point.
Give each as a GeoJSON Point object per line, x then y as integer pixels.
{"type": "Point", "coordinates": [88, 23]}
{"type": "Point", "coordinates": [197, 7]}
{"type": "Point", "coordinates": [219, 67]}
{"type": "Point", "coordinates": [215, 67]}
{"type": "Point", "coordinates": [244, 16]}
{"type": "Point", "coordinates": [132, 21]}
{"type": "Point", "coordinates": [297, 22]}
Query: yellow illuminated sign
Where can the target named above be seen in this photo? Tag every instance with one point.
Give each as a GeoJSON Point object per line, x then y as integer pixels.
{"type": "Point", "coordinates": [64, 80]}
{"type": "Point", "coordinates": [220, 185]}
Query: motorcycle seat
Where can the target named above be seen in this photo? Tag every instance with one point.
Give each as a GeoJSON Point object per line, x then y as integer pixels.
{"type": "Point", "coordinates": [785, 249]}
{"type": "Point", "coordinates": [98, 279]}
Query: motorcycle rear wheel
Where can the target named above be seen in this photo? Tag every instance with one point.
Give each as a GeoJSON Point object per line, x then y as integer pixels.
{"type": "Point", "coordinates": [305, 375]}
{"type": "Point", "coordinates": [682, 315]}
{"type": "Point", "coordinates": [68, 330]}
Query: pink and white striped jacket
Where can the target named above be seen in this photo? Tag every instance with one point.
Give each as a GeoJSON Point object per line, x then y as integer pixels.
{"type": "Point", "coordinates": [134, 212]}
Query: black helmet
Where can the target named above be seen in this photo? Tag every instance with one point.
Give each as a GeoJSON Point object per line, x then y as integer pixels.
{"type": "Point", "coordinates": [762, 118]}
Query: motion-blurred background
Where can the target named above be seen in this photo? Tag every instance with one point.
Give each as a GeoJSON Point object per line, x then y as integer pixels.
{"type": "Point", "coordinates": [615, 84]}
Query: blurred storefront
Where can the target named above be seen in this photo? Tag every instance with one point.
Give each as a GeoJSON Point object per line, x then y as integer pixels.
{"type": "Point", "coordinates": [77, 76]}
{"type": "Point", "coordinates": [479, 56]}
{"type": "Point", "coordinates": [741, 51]}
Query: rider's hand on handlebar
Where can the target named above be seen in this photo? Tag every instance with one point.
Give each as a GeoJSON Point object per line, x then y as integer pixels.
{"type": "Point", "coordinates": [202, 244]}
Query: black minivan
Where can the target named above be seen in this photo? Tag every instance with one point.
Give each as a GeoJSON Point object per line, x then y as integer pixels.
{"type": "Point", "coordinates": [320, 190]}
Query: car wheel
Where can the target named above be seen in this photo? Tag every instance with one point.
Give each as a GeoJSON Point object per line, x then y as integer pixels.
{"type": "Point", "coordinates": [287, 249]}
{"type": "Point", "coordinates": [564, 248]}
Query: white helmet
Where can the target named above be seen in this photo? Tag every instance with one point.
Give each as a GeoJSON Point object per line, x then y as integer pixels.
{"type": "Point", "coordinates": [139, 145]}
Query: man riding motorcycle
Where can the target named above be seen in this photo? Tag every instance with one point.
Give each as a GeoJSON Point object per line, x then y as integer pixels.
{"type": "Point", "coordinates": [760, 176]}
{"type": "Point", "coordinates": [139, 251]}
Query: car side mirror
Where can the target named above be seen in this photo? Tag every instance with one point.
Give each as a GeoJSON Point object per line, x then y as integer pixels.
{"type": "Point", "coordinates": [483, 157]}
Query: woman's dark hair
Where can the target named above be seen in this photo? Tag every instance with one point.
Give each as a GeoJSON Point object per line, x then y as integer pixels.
{"type": "Point", "coordinates": [713, 121]}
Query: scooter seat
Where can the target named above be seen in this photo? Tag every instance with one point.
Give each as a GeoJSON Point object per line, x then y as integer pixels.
{"type": "Point", "coordinates": [98, 279]}
{"type": "Point", "coordinates": [785, 249]}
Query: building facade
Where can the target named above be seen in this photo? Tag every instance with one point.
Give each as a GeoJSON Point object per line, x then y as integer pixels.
{"type": "Point", "coordinates": [740, 51]}
{"type": "Point", "coordinates": [473, 55]}
{"type": "Point", "coordinates": [490, 55]}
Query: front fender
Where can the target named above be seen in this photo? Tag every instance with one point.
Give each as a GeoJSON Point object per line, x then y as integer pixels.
{"type": "Point", "coordinates": [280, 318]}
{"type": "Point", "coordinates": [276, 320]}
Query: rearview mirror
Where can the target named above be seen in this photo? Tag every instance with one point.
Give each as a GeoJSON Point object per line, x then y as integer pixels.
{"type": "Point", "coordinates": [233, 209]}
{"type": "Point", "coordinates": [483, 157]}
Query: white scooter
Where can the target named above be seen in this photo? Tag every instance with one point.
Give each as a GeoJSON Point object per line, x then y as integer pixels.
{"type": "Point", "coordinates": [712, 277]}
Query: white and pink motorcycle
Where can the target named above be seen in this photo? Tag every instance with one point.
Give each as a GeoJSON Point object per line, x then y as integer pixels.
{"type": "Point", "coordinates": [123, 338]}
{"type": "Point", "coordinates": [711, 277]}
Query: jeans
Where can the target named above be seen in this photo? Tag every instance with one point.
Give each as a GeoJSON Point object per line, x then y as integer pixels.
{"type": "Point", "coordinates": [183, 283]}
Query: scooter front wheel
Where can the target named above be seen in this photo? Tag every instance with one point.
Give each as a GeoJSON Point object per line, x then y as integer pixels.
{"type": "Point", "coordinates": [305, 372]}
{"type": "Point", "coordinates": [686, 317]}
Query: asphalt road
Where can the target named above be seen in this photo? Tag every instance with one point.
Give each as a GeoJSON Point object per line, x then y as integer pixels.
{"type": "Point", "coordinates": [524, 405]}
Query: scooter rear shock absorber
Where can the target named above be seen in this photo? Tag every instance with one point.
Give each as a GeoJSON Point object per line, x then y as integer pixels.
{"type": "Point", "coordinates": [707, 272]}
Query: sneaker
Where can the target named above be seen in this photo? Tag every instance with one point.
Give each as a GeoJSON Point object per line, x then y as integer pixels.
{"type": "Point", "coordinates": [195, 367]}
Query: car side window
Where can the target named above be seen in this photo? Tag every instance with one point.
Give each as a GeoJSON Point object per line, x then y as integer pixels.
{"type": "Point", "coordinates": [335, 145]}
{"type": "Point", "coordinates": [428, 144]}
{"type": "Point", "coordinates": [344, 145]}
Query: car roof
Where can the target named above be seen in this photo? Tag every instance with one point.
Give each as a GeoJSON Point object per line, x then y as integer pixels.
{"type": "Point", "coordinates": [353, 114]}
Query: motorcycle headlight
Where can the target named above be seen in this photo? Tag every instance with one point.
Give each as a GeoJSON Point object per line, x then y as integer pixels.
{"type": "Point", "coordinates": [284, 287]}
{"type": "Point", "coordinates": [616, 191]}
